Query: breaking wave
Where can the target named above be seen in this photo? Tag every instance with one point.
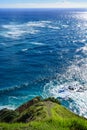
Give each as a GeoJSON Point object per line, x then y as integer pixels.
{"type": "Point", "coordinates": [71, 85]}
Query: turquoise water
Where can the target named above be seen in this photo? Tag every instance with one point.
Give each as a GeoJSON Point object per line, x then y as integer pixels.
{"type": "Point", "coordinates": [43, 52]}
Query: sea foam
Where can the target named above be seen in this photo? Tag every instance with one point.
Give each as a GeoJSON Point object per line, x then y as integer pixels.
{"type": "Point", "coordinates": [15, 30]}
{"type": "Point", "coordinates": [72, 84]}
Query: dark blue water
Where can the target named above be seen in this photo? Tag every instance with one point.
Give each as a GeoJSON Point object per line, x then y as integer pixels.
{"type": "Point", "coordinates": [43, 52]}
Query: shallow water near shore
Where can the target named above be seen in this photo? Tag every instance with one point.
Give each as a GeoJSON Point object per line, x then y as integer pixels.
{"type": "Point", "coordinates": [43, 52]}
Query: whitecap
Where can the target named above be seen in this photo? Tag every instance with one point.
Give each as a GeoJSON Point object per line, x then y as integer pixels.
{"type": "Point", "coordinates": [16, 31]}
{"type": "Point", "coordinates": [37, 43]}
{"type": "Point", "coordinates": [35, 24]}
{"type": "Point", "coordinates": [53, 27]}
{"type": "Point", "coordinates": [65, 26]}
{"type": "Point", "coordinates": [25, 49]}
{"type": "Point", "coordinates": [82, 49]}
{"type": "Point", "coordinates": [82, 41]}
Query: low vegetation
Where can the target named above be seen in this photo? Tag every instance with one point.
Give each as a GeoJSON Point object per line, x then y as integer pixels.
{"type": "Point", "coordinates": [39, 114]}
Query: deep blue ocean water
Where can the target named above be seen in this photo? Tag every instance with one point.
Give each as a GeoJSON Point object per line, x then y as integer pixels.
{"type": "Point", "coordinates": [43, 52]}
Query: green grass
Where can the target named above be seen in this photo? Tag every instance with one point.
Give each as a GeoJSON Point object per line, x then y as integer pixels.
{"type": "Point", "coordinates": [44, 115]}
{"type": "Point", "coordinates": [50, 124]}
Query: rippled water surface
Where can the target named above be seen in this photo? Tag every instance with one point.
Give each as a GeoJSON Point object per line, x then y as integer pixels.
{"type": "Point", "coordinates": [43, 52]}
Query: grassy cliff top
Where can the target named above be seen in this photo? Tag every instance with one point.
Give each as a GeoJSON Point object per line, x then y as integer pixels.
{"type": "Point", "coordinates": [39, 114]}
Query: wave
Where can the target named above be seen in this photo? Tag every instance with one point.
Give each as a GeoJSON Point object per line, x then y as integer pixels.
{"type": "Point", "coordinates": [23, 85]}
{"type": "Point", "coordinates": [4, 44]}
{"type": "Point", "coordinates": [70, 90]}
{"type": "Point", "coordinates": [72, 84]}
{"type": "Point", "coordinates": [15, 101]}
{"type": "Point", "coordinates": [6, 90]}
{"type": "Point", "coordinates": [11, 107]}
{"type": "Point", "coordinates": [82, 49]}
{"type": "Point", "coordinates": [65, 26]}
{"type": "Point", "coordinates": [37, 43]}
{"type": "Point", "coordinates": [81, 41]}
{"type": "Point", "coordinates": [53, 27]}
{"type": "Point", "coordinates": [25, 49]}
{"type": "Point", "coordinates": [36, 24]}
{"type": "Point", "coordinates": [15, 31]}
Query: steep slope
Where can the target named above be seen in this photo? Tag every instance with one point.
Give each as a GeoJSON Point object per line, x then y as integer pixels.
{"type": "Point", "coordinates": [39, 114]}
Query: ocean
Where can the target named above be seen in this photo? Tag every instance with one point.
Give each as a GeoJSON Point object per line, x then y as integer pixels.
{"type": "Point", "coordinates": [43, 52]}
